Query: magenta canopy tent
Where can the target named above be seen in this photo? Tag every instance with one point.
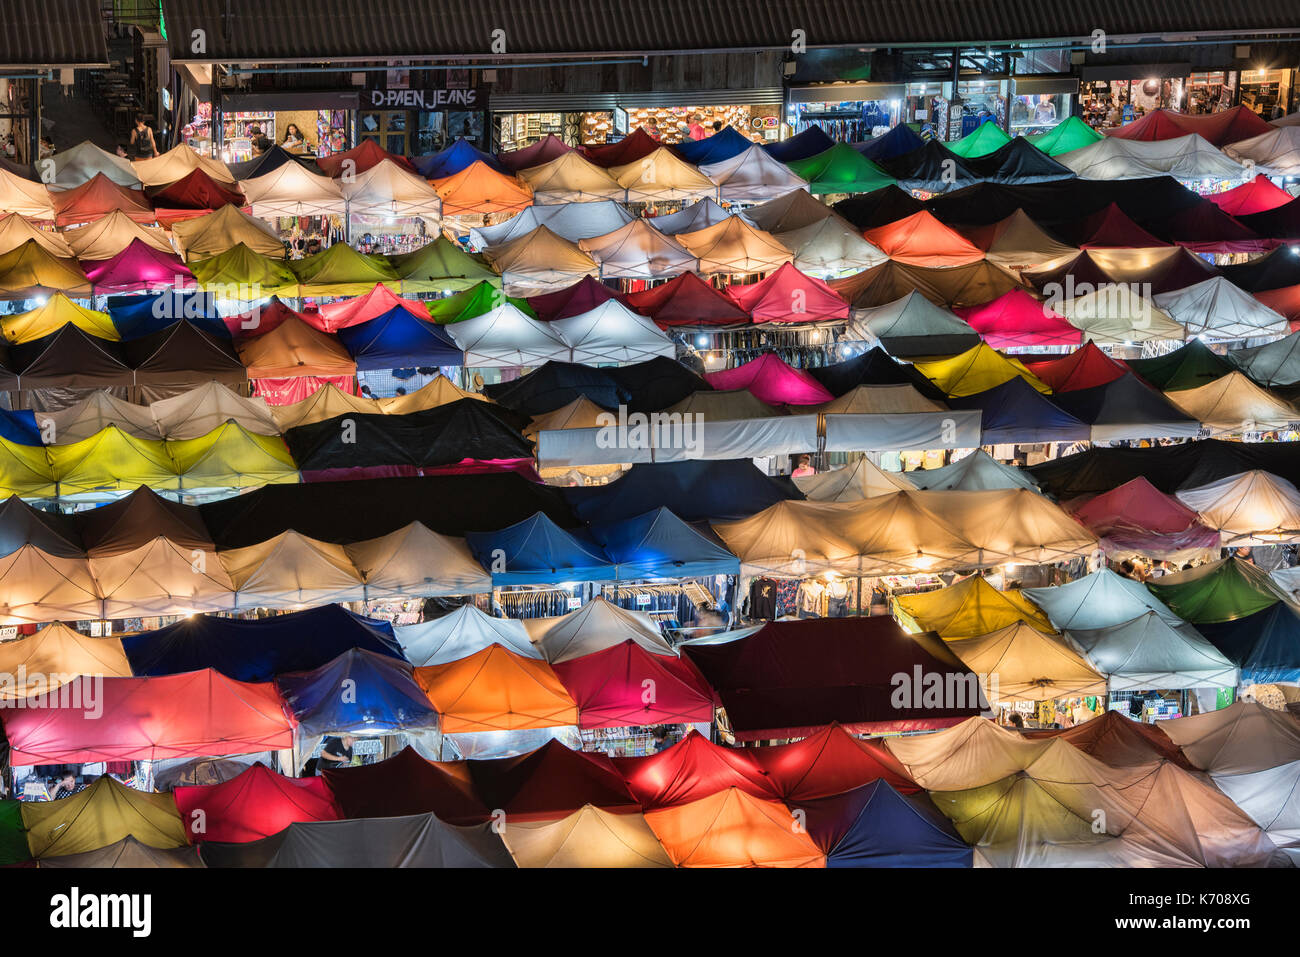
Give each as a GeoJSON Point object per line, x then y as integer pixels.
{"type": "Point", "coordinates": [1016, 318]}
{"type": "Point", "coordinates": [772, 381]}
{"type": "Point", "coordinates": [138, 267]}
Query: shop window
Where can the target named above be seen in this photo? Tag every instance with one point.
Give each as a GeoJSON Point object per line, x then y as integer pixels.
{"type": "Point", "coordinates": [1038, 112]}
{"type": "Point", "coordinates": [387, 128]}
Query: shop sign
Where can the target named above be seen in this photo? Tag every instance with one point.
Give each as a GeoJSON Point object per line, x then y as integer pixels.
{"type": "Point", "coordinates": [428, 100]}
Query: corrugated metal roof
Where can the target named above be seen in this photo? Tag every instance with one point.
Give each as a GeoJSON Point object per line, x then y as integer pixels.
{"type": "Point", "coordinates": [51, 33]}
{"type": "Point", "coordinates": [289, 30]}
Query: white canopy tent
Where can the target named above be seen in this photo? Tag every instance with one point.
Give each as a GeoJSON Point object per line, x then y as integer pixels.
{"type": "Point", "coordinates": [571, 221]}
{"type": "Point", "coordinates": [463, 632]}
{"type": "Point", "coordinates": [572, 178]}
{"type": "Point", "coordinates": [638, 251]}
{"type": "Point", "coordinates": [1217, 309]}
{"type": "Point", "coordinates": [752, 176]}
{"type": "Point", "coordinates": [1189, 157]}
{"type": "Point", "coordinates": [388, 190]}
{"type": "Point", "coordinates": [507, 337]}
{"type": "Point", "coordinates": [1149, 652]}
{"type": "Point", "coordinates": [613, 333]}
{"type": "Point", "coordinates": [972, 473]}
{"type": "Point", "coordinates": [1099, 600]}
{"type": "Point", "coordinates": [1253, 508]}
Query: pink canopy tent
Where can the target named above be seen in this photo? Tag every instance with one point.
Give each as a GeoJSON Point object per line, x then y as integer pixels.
{"type": "Point", "coordinates": [1138, 517]}
{"type": "Point", "coordinates": [1016, 318]}
{"type": "Point", "coordinates": [349, 312]}
{"type": "Point", "coordinates": [610, 688]}
{"type": "Point", "coordinates": [772, 381]}
{"type": "Point", "coordinates": [254, 804]}
{"type": "Point", "coordinates": [1254, 196]}
{"type": "Point", "coordinates": [789, 295]}
{"type": "Point", "coordinates": [138, 267]}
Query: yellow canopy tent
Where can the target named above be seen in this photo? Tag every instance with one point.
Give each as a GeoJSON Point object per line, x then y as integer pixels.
{"type": "Point", "coordinates": [57, 312]}
{"type": "Point", "coordinates": [54, 656]}
{"type": "Point", "coordinates": [242, 273]}
{"type": "Point", "coordinates": [102, 814]}
{"type": "Point", "coordinates": [223, 229]}
{"type": "Point", "coordinates": [111, 461]}
{"type": "Point", "coordinates": [325, 403]}
{"type": "Point", "coordinates": [16, 230]}
{"type": "Point", "coordinates": [232, 457]}
{"type": "Point", "coordinates": [109, 235]}
{"type": "Point", "coordinates": [1023, 664]}
{"type": "Point", "coordinates": [25, 470]}
{"type": "Point", "coordinates": [31, 270]}
{"type": "Point", "coordinates": [589, 837]}
{"type": "Point", "coordinates": [22, 196]}
{"type": "Point", "coordinates": [976, 370]}
{"type": "Point", "coordinates": [439, 391]}
{"type": "Point", "coordinates": [968, 609]}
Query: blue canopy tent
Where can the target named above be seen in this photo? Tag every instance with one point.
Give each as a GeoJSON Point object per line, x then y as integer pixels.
{"type": "Point", "coordinates": [694, 490]}
{"type": "Point", "coordinates": [456, 157]}
{"type": "Point", "coordinates": [536, 551]}
{"type": "Point", "coordinates": [1016, 412]}
{"type": "Point", "coordinates": [137, 316]}
{"type": "Point", "coordinates": [808, 143]}
{"type": "Point", "coordinates": [258, 649]}
{"type": "Point", "coordinates": [722, 145]}
{"type": "Point", "coordinates": [1265, 645]}
{"type": "Point", "coordinates": [658, 544]}
{"type": "Point", "coordinates": [20, 426]}
{"type": "Point", "coordinates": [901, 139]}
{"type": "Point", "coordinates": [876, 826]}
{"type": "Point", "coordinates": [383, 698]}
{"type": "Point", "coordinates": [397, 339]}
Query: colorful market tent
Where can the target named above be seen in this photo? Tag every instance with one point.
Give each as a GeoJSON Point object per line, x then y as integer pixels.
{"type": "Point", "coordinates": [98, 197]}
{"type": "Point", "coordinates": [698, 215]}
{"type": "Point", "coordinates": [24, 198]}
{"type": "Point", "coordinates": [79, 165]}
{"type": "Point", "coordinates": [1117, 740]}
{"type": "Point", "coordinates": [571, 221]}
{"type": "Point", "coordinates": [408, 784]}
{"type": "Point", "coordinates": [1017, 242]}
{"type": "Point", "coordinates": [571, 178]}
{"type": "Point", "coordinates": [505, 336]}
{"type": "Point", "coordinates": [609, 688]}
{"type": "Point", "coordinates": [397, 565]}
{"type": "Point", "coordinates": [1253, 508]}
{"type": "Point", "coordinates": [199, 713]}
{"type": "Point", "coordinates": [1242, 738]}
{"type": "Point", "coordinates": [571, 300]}
{"type": "Point", "coordinates": [539, 261]}
{"type": "Point", "coordinates": [1205, 228]}
{"type": "Point", "coordinates": [273, 158]}
{"type": "Point", "coordinates": [751, 176]}
{"type": "Point", "coordinates": [1127, 408]}
{"type": "Point", "coordinates": [51, 316]}
{"type": "Point", "coordinates": [734, 247]}
{"type": "Point", "coordinates": [183, 356]}
{"type": "Point", "coordinates": [1217, 309]}
{"type": "Point", "coordinates": [984, 139]}
{"type": "Point", "coordinates": [631, 148]}
{"type": "Point", "coordinates": [693, 490]}
{"type": "Point", "coordinates": [1277, 270]}
{"type": "Point", "coordinates": [547, 783]}
{"type": "Point", "coordinates": [932, 168]}
{"type": "Point", "coordinates": [496, 690]}
{"type": "Point", "coordinates": [537, 551]}
{"type": "Point", "coordinates": [612, 333]}
{"type": "Point", "coordinates": [660, 545]}
{"type": "Point", "coordinates": [108, 236]}
{"type": "Point", "coordinates": [692, 769]}
{"type": "Point", "coordinates": [292, 190]}
{"type": "Point", "coordinates": [479, 190]}
{"type": "Point", "coordinates": [255, 804]}
{"type": "Point", "coordinates": [222, 230]}
{"type": "Point", "coordinates": [972, 473]}
{"type": "Point", "coordinates": [102, 814]}
{"type": "Point", "coordinates": [460, 634]}
{"type": "Point", "coordinates": [1256, 195]}
{"type": "Point", "coordinates": [294, 349]}
{"type": "Point", "coordinates": [802, 145]}
{"type": "Point", "coordinates": [1187, 157]}
{"type": "Point", "coordinates": [291, 569]}
{"type": "Point", "coordinates": [879, 208]}
{"type": "Point", "coordinates": [790, 677]}
{"type": "Point", "coordinates": [921, 240]}
{"type": "Point", "coordinates": [830, 246]}
{"type": "Point", "coordinates": [950, 286]}
{"type": "Point", "coordinates": [177, 163]}
{"type": "Point", "coordinates": [719, 146]}
{"type": "Point", "coordinates": [360, 158]}
{"type": "Point", "coordinates": [772, 381]}
{"type": "Point", "coordinates": [913, 327]}
{"type": "Point", "coordinates": [660, 176]}
{"type": "Point", "coordinates": [417, 841]}
{"type": "Point", "coordinates": [792, 211]}
{"type": "Point", "coordinates": [734, 829]}
{"type": "Point", "coordinates": [388, 190]}
{"type": "Point", "coordinates": [383, 698]}
{"type": "Point", "coordinates": [1017, 162]}
{"type": "Point", "coordinates": [969, 608]}
{"type": "Point", "coordinates": [1233, 404]}
{"type": "Point", "coordinates": [788, 295]}
{"type": "Point", "coordinates": [1136, 518]}
{"type": "Point", "coordinates": [876, 826]}
{"type": "Point", "coordinates": [137, 268]}
{"type": "Point", "coordinates": [193, 195]}
{"type": "Point", "coordinates": [1026, 665]}
{"type": "Point", "coordinates": [440, 266]}
{"type": "Point", "coordinates": [1219, 128]}
{"type": "Point", "coordinates": [1112, 228]}
{"type": "Point", "coordinates": [257, 649]}
{"type": "Point", "coordinates": [849, 483]}
{"type": "Point", "coordinates": [638, 251]}
{"type": "Point", "coordinates": [596, 627]}
{"type": "Point", "coordinates": [55, 654]}
{"type": "Point", "coordinates": [1115, 314]}
{"type": "Point", "coordinates": [1149, 652]}
{"type": "Point", "coordinates": [829, 762]}
{"type": "Point", "coordinates": [1017, 319]}
{"type": "Point", "coordinates": [15, 231]}
{"type": "Point", "coordinates": [554, 385]}
{"type": "Point", "coordinates": [589, 837]}
{"type": "Point", "coordinates": [887, 399]}
{"type": "Point", "coordinates": [1162, 269]}
{"type": "Point", "coordinates": [977, 370]}
{"type": "Point", "coordinates": [1099, 600]}
{"type": "Point", "coordinates": [899, 140]}
{"type": "Point", "coordinates": [1084, 368]}
{"type": "Point", "coordinates": [127, 853]}
{"type": "Point", "coordinates": [874, 366]}
{"type": "Point", "coordinates": [1189, 366]}
{"type": "Point", "coordinates": [454, 158]}
{"type": "Point", "coordinates": [1219, 591]}
{"type": "Point", "coordinates": [340, 270]}
{"type": "Point", "coordinates": [549, 147]}
{"type": "Point", "coordinates": [397, 339]}
{"type": "Point", "coordinates": [840, 169]}
{"type": "Point", "coordinates": [686, 300]}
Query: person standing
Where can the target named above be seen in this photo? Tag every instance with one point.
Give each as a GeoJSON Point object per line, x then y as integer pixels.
{"type": "Point", "coordinates": [336, 752]}
{"type": "Point", "coordinates": [142, 141]}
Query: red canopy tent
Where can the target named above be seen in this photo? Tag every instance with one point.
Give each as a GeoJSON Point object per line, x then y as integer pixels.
{"type": "Point", "coordinates": [1016, 318]}
{"type": "Point", "coordinates": [831, 761]}
{"type": "Point", "coordinates": [772, 381]}
{"type": "Point", "coordinates": [573, 300]}
{"type": "Point", "coordinates": [194, 195]}
{"type": "Point", "coordinates": [1285, 301]}
{"type": "Point", "coordinates": [258, 321]}
{"type": "Point", "coordinates": [921, 240]}
{"type": "Point", "coordinates": [192, 715]}
{"type": "Point", "coordinates": [610, 688]}
{"type": "Point", "coordinates": [98, 197]}
{"type": "Point", "coordinates": [254, 804]}
{"type": "Point", "coordinates": [686, 300]}
{"type": "Point", "coordinates": [551, 782]}
{"type": "Point", "coordinates": [550, 147]}
{"type": "Point", "coordinates": [1120, 742]}
{"type": "Point", "coordinates": [692, 769]}
{"type": "Point", "coordinates": [627, 150]}
{"type": "Point", "coordinates": [408, 784]}
{"type": "Point", "coordinates": [334, 316]}
{"type": "Point", "coordinates": [1205, 228]}
{"type": "Point", "coordinates": [1138, 516]}
{"type": "Point", "coordinates": [1253, 196]}
{"type": "Point", "coordinates": [364, 155]}
{"type": "Point", "coordinates": [789, 295]}
{"type": "Point", "coordinates": [1112, 228]}
{"type": "Point", "coordinates": [138, 267]}
{"type": "Point", "coordinates": [1083, 368]}
{"type": "Point", "coordinates": [1221, 128]}
{"type": "Point", "coordinates": [790, 678]}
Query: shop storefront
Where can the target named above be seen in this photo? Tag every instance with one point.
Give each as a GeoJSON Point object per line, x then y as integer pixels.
{"type": "Point", "coordinates": [306, 123]}
{"type": "Point", "coordinates": [848, 112]}
{"type": "Point", "coordinates": [1039, 103]}
{"type": "Point", "coordinates": [1267, 92]}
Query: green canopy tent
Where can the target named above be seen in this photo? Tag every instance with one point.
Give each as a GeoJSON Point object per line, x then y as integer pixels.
{"type": "Point", "coordinates": [474, 301]}
{"type": "Point", "coordinates": [983, 140]}
{"type": "Point", "coordinates": [841, 169]}
{"type": "Point", "coordinates": [1187, 367]}
{"type": "Point", "coordinates": [342, 271]}
{"type": "Point", "coordinates": [13, 838]}
{"type": "Point", "coordinates": [1069, 134]}
{"type": "Point", "coordinates": [1219, 591]}
{"type": "Point", "coordinates": [441, 266]}
{"type": "Point", "coordinates": [242, 268]}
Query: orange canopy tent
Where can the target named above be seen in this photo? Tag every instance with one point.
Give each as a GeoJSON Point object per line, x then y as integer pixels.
{"type": "Point", "coordinates": [479, 189]}
{"type": "Point", "coordinates": [98, 197]}
{"type": "Point", "coordinates": [734, 829]}
{"type": "Point", "coordinates": [497, 690]}
{"type": "Point", "coordinates": [921, 240]}
{"type": "Point", "coordinates": [294, 348]}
